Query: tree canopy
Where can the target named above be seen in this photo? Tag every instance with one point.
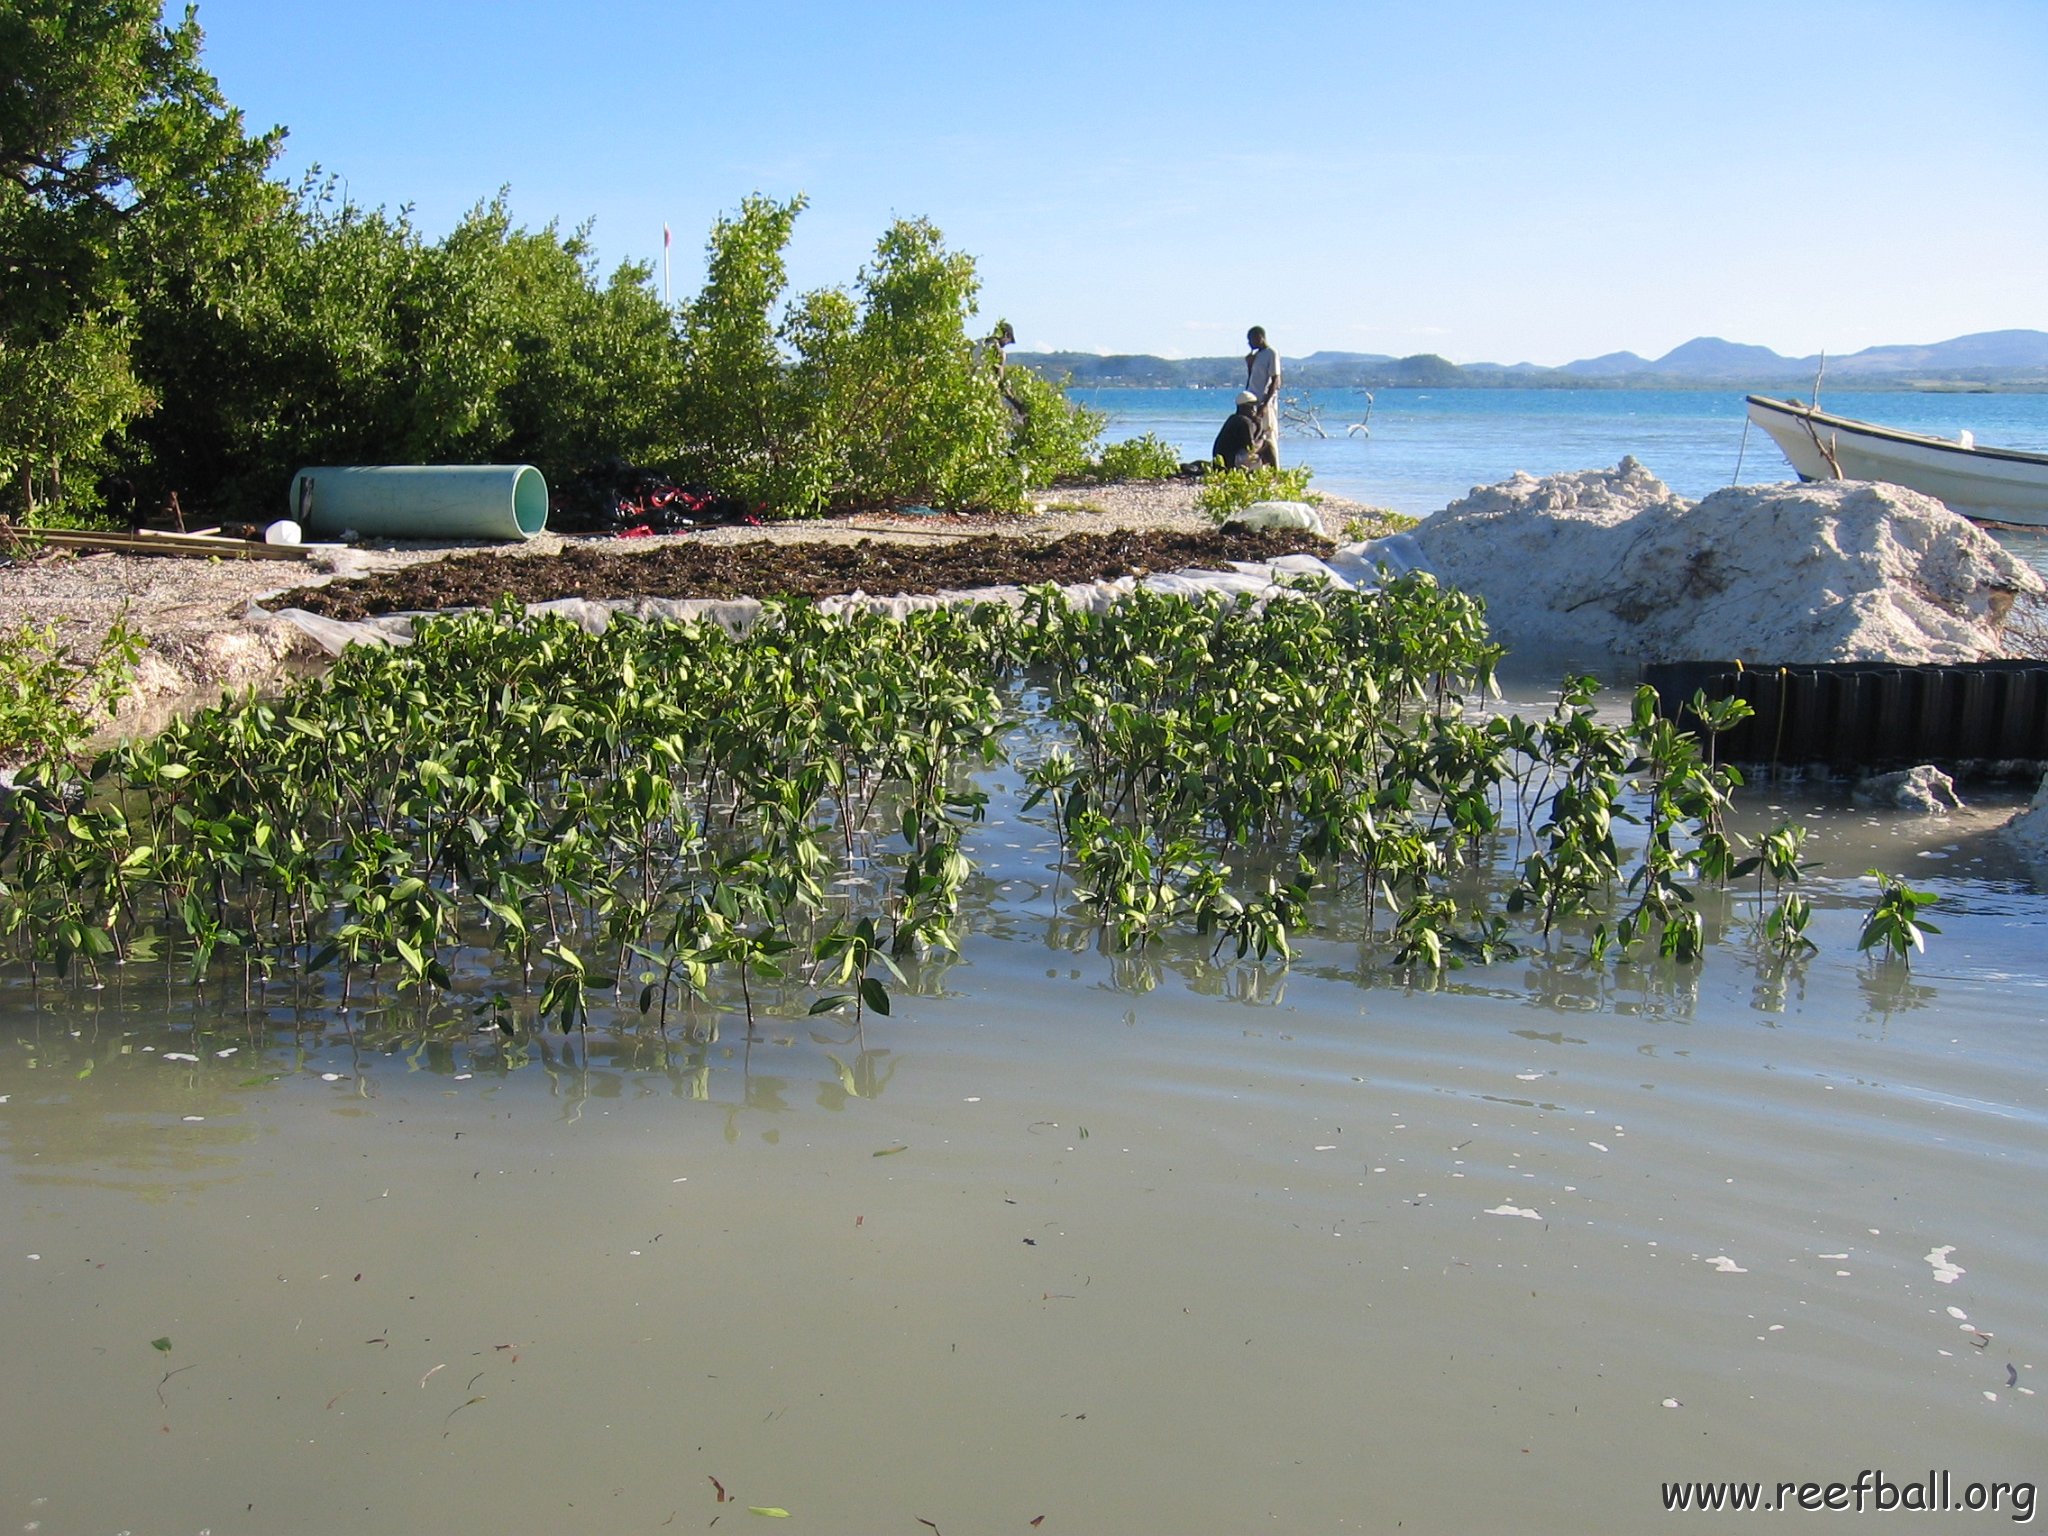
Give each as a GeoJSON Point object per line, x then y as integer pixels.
{"type": "Point", "coordinates": [173, 320]}
{"type": "Point", "coordinates": [122, 172]}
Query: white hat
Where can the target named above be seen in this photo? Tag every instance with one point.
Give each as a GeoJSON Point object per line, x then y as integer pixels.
{"type": "Point", "coordinates": [1246, 397]}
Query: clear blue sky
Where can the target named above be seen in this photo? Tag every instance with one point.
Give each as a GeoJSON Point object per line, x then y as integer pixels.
{"type": "Point", "coordinates": [1497, 182]}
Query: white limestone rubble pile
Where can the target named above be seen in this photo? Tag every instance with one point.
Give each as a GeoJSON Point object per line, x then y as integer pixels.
{"type": "Point", "coordinates": [1925, 789]}
{"type": "Point", "coordinates": [2027, 833]}
{"type": "Point", "coordinates": [1612, 560]}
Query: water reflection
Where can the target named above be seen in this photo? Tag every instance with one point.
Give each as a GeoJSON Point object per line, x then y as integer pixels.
{"type": "Point", "coordinates": [114, 1113]}
{"type": "Point", "coordinates": [1889, 988]}
{"type": "Point", "coordinates": [865, 1077]}
{"type": "Point", "coordinates": [1017, 902]}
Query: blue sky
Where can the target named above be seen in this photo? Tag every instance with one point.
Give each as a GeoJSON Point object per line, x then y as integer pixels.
{"type": "Point", "coordinates": [1496, 182]}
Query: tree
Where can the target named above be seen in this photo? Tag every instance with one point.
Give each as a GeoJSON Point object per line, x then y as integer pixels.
{"type": "Point", "coordinates": [746, 422]}
{"type": "Point", "coordinates": [844, 397]}
{"type": "Point", "coordinates": [349, 339]}
{"type": "Point", "coordinates": [925, 419]}
{"type": "Point", "coordinates": [122, 171]}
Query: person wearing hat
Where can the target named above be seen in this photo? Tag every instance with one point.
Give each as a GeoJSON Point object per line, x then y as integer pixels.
{"type": "Point", "coordinates": [1237, 445]}
{"type": "Point", "coordinates": [1262, 382]}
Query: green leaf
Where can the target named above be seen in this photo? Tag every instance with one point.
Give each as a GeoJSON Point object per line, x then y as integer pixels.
{"type": "Point", "coordinates": [769, 1510]}
{"type": "Point", "coordinates": [163, 1344]}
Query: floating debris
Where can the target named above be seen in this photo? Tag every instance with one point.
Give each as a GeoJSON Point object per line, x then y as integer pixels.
{"type": "Point", "coordinates": [1945, 1272]}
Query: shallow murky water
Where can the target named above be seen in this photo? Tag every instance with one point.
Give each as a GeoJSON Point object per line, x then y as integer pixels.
{"type": "Point", "coordinates": [1135, 1245]}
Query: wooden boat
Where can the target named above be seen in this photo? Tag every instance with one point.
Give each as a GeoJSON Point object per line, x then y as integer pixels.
{"type": "Point", "coordinates": [2001, 485]}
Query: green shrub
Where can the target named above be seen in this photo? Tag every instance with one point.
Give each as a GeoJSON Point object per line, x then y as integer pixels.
{"type": "Point", "coordinates": [1053, 437]}
{"type": "Point", "coordinates": [48, 703]}
{"type": "Point", "coordinates": [878, 393]}
{"type": "Point", "coordinates": [1225, 491]}
{"type": "Point", "coordinates": [1149, 457]}
{"type": "Point", "coordinates": [1377, 522]}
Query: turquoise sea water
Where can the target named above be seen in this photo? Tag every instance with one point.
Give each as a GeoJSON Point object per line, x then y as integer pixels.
{"type": "Point", "coordinates": [1428, 447]}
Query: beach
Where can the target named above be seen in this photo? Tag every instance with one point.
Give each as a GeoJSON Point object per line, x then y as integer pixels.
{"type": "Point", "coordinates": [201, 634]}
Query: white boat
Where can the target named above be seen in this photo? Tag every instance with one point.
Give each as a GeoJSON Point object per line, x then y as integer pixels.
{"type": "Point", "coordinates": [2000, 485]}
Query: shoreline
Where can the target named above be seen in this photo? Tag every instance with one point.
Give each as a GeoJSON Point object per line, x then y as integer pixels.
{"type": "Point", "coordinates": [200, 634]}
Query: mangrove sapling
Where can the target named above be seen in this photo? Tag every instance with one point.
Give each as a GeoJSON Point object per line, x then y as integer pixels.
{"type": "Point", "coordinates": [681, 799]}
{"type": "Point", "coordinates": [1784, 928]}
{"type": "Point", "coordinates": [1894, 923]}
{"type": "Point", "coordinates": [846, 956]}
{"type": "Point", "coordinates": [49, 701]}
{"type": "Point", "coordinates": [1226, 491]}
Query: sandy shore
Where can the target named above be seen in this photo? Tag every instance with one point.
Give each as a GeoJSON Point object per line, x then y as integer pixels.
{"type": "Point", "coordinates": [201, 637]}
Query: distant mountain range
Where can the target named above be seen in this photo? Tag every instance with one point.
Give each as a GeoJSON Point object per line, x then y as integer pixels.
{"type": "Point", "coordinates": [1987, 360]}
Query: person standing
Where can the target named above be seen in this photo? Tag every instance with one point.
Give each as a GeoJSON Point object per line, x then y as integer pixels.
{"type": "Point", "coordinates": [1262, 380]}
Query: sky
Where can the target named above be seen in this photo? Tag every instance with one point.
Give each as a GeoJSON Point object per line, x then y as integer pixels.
{"type": "Point", "coordinates": [1535, 181]}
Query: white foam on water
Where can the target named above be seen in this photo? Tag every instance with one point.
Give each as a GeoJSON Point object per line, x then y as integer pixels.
{"type": "Point", "coordinates": [1726, 1265]}
{"type": "Point", "coordinates": [1514, 1210]}
{"type": "Point", "coordinates": [1945, 1272]}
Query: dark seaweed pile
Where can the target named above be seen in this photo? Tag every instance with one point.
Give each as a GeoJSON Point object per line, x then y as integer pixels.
{"type": "Point", "coordinates": [786, 570]}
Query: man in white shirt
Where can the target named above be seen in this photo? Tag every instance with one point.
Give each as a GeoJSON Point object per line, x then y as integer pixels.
{"type": "Point", "coordinates": [1262, 378]}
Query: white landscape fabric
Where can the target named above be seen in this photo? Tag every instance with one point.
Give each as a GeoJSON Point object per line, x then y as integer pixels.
{"type": "Point", "coordinates": [1610, 560]}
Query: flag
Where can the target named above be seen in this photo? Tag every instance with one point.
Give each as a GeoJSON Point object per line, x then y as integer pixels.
{"type": "Point", "coordinates": [664, 237]}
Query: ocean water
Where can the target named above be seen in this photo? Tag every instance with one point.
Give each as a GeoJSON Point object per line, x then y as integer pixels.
{"type": "Point", "coordinates": [1428, 447]}
{"type": "Point", "coordinates": [1071, 1240]}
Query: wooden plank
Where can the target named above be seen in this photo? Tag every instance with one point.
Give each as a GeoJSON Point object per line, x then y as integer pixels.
{"type": "Point", "coordinates": [911, 532]}
{"type": "Point", "coordinates": [188, 545]}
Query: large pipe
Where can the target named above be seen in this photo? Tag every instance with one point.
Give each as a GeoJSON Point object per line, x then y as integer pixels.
{"type": "Point", "coordinates": [422, 501]}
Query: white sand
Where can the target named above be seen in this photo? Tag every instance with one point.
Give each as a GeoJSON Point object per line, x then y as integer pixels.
{"type": "Point", "coordinates": [1612, 560]}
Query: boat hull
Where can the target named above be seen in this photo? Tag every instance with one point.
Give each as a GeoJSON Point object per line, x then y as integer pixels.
{"type": "Point", "coordinates": [1990, 484]}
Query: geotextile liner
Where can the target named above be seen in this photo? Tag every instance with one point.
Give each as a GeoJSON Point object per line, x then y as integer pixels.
{"type": "Point", "coordinates": [761, 569]}
{"type": "Point", "coordinates": [1256, 578]}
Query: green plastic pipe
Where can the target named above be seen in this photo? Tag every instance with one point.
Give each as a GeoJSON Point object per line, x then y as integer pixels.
{"type": "Point", "coordinates": [422, 501]}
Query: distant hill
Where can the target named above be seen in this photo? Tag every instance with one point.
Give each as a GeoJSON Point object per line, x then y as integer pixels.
{"type": "Point", "coordinates": [1709, 357]}
{"type": "Point", "coordinates": [1993, 359]}
{"type": "Point", "coordinates": [1608, 365]}
{"type": "Point", "coordinates": [2012, 350]}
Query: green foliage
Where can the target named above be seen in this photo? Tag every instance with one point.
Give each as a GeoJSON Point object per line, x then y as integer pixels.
{"type": "Point", "coordinates": [315, 356]}
{"type": "Point", "coordinates": [1778, 863]}
{"type": "Point", "coordinates": [1051, 436]}
{"type": "Point", "coordinates": [1376, 523]}
{"type": "Point", "coordinates": [1894, 924]}
{"type": "Point", "coordinates": [874, 395]}
{"type": "Point", "coordinates": [50, 703]}
{"type": "Point", "coordinates": [711, 824]}
{"type": "Point", "coordinates": [918, 417]}
{"type": "Point", "coordinates": [59, 400]}
{"type": "Point", "coordinates": [1149, 457]}
{"type": "Point", "coordinates": [173, 321]}
{"type": "Point", "coordinates": [745, 414]}
{"type": "Point", "coordinates": [122, 174]}
{"type": "Point", "coordinates": [1226, 491]}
